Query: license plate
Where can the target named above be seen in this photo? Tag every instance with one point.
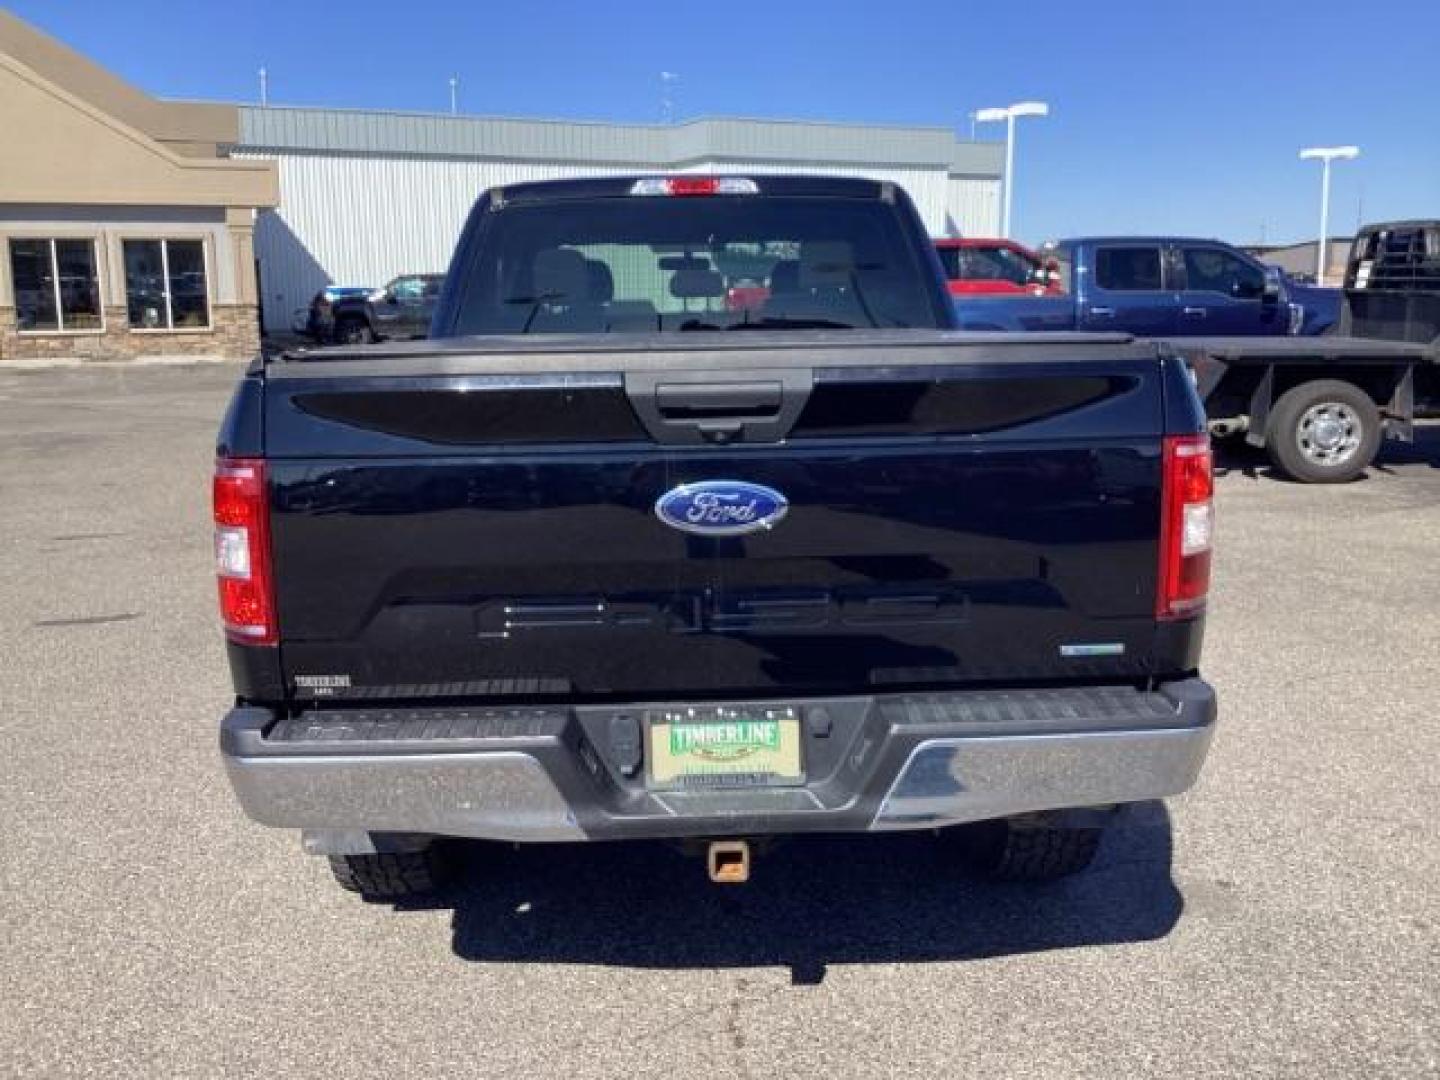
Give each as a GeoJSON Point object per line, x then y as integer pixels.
{"type": "Point", "coordinates": [724, 747]}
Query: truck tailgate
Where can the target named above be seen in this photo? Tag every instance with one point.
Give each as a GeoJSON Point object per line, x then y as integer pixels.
{"type": "Point", "coordinates": [482, 522]}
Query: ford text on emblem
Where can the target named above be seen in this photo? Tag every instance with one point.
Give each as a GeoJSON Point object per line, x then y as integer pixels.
{"type": "Point", "coordinates": [721, 507]}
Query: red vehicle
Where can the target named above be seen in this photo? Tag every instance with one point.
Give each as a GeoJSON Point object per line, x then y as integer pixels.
{"type": "Point", "coordinates": [996, 266]}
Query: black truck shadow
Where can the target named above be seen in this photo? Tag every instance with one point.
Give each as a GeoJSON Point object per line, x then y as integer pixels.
{"type": "Point", "coordinates": [1424, 451]}
{"type": "Point", "coordinates": [289, 274]}
{"type": "Point", "coordinates": [811, 902]}
{"type": "Point", "coordinates": [1235, 455]}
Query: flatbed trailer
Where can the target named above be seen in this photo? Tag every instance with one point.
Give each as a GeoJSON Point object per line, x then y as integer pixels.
{"type": "Point", "coordinates": [1318, 405]}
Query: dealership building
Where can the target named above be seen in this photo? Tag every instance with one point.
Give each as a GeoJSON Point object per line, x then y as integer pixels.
{"type": "Point", "coordinates": [125, 229]}
{"type": "Point", "coordinates": [135, 226]}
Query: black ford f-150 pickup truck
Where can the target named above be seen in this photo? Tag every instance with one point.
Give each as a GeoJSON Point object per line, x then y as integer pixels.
{"type": "Point", "coordinates": [617, 556]}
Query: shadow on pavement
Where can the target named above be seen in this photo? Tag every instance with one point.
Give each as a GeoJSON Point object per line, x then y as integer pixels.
{"type": "Point", "coordinates": [1236, 455]}
{"type": "Point", "coordinates": [1425, 450]}
{"type": "Point", "coordinates": [811, 902]}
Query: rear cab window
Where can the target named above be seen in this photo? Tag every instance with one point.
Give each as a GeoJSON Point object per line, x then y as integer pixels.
{"type": "Point", "coordinates": [724, 263]}
{"type": "Point", "coordinates": [1128, 268]}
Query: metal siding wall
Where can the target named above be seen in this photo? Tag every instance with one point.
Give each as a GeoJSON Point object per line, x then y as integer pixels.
{"type": "Point", "coordinates": [361, 220]}
{"type": "Point", "coordinates": [332, 131]}
{"type": "Point", "coordinates": [973, 204]}
{"type": "Point", "coordinates": [364, 220]}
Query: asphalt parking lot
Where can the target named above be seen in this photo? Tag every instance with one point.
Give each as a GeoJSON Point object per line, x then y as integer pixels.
{"type": "Point", "coordinates": [1280, 920]}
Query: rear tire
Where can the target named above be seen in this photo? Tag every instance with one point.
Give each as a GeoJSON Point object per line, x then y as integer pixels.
{"type": "Point", "coordinates": [1006, 851]}
{"type": "Point", "coordinates": [1323, 432]}
{"type": "Point", "coordinates": [353, 332]}
{"type": "Point", "coordinates": [390, 875]}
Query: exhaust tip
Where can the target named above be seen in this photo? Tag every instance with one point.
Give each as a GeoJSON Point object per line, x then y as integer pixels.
{"type": "Point", "coordinates": [728, 861]}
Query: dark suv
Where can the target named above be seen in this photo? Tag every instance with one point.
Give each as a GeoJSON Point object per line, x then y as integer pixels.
{"type": "Point", "coordinates": [401, 309]}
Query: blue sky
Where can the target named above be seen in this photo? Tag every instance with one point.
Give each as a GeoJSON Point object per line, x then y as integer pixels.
{"type": "Point", "coordinates": [1167, 116]}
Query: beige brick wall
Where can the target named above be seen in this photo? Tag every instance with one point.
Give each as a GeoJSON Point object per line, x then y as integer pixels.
{"type": "Point", "coordinates": [234, 335]}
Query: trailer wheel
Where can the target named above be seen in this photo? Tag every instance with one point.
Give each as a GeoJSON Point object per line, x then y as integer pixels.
{"type": "Point", "coordinates": [1323, 432]}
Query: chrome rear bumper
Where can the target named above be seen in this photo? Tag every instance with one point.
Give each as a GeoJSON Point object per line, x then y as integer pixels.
{"type": "Point", "coordinates": [951, 781]}
{"type": "Point", "coordinates": [545, 774]}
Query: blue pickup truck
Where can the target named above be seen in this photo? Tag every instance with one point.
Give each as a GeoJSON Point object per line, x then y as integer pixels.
{"type": "Point", "coordinates": [1301, 372]}
{"type": "Point", "coordinates": [1159, 287]}
{"type": "Point", "coordinates": [612, 556]}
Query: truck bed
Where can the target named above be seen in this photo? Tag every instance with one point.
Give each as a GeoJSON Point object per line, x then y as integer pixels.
{"type": "Point", "coordinates": [477, 517]}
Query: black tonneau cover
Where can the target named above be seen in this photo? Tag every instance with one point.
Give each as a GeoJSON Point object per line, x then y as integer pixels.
{"type": "Point", "coordinates": [531, 354]}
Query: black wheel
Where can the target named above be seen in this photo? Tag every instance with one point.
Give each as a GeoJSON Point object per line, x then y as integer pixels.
{"type": "Point", "coordinates": [390, 875]}
{"type": "Point", "coordinates": [1009, 851]}
{"type": "Point", "coordinates": [1323, 432]}
{"type": "Point", "coordinates": [353, 332]}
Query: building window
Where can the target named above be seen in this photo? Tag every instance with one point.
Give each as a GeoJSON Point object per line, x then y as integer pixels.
{"type": "Point", "coordinates": [57, 285]}
{"type": "Point", "coordinates": [165, 286]}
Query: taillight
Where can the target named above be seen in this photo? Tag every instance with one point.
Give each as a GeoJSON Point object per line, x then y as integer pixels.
{"type": "Point", "coordinates": [242, 551]}
{"type": "Point", "coordinates": [1187, 525]}
{"type": "Point", "coordinates": [694, 185]}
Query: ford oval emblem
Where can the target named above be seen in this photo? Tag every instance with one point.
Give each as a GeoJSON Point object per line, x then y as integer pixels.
{"type": "Point", "coordinates": [721, 507]}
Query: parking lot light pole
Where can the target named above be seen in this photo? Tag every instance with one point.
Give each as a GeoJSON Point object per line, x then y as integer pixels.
{"type": "Point", "coordinates": [1325, 155]}
{"type": "Point", "coordinates": [1009, 113]}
